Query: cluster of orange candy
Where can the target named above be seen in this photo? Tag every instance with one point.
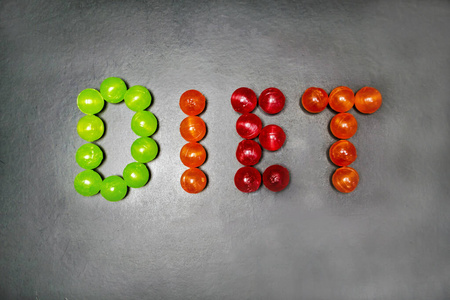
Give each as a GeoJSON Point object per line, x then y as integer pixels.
{"type": "Point", "coordinates": [193, 129]}
{"type": "Point", "coordinates": [343, 126]}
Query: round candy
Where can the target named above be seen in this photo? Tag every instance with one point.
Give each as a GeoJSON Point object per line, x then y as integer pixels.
{"type": "Point", "coordinates": [90, 101]}
{"type": "Point", "coordinates": [248, 126]}
{"type": "Point", "coordinates": [89, 156]}
{"type": "Point", "coordinates": [314, 100]}
{"type": "Point", "coordinates": [343, 125]}
{"type": "Point", "coordinates": [193, 181]}
{"type": "Point", "coordinates": [193, 155]}
{"type": "Point", "coordinates": [345, 179]}
{"type": "Point", "coordinates": [192, 102]}
{"type": "Point", "coordinates": [341, 99]}
{"type": "Point", "coordinates": [368, 100]}
{"type": "Point", "coordinates": [87, 183]}
{"type": "Point", "coordinates": [342, 153]}
{"type": "Point", "coordinates": [137, 98]}
{"type": "Point", "coordinates": [272, 137]}
{"type": "Point", "coordinates": [272, 100]}
{"type": "Point", "coordinates": [144, 123]}
{"type": "Point", "coordinates": [193, 129]}
{"type": "Point", "coordinates": [114, 188]}
{"type": "Point", "coordinates": [244, 100]}
{"type": "Point", "coordinates": [136, 175]}
{"type": "Point", "coordinates": [144, 149]}
{"type": "Point", "coordinates": [113, 89]}
{"type": "Point", "coordinates": [276, 178]}
{"type": "Point", "coordinates": [248, 152]}
{"type": "Point", "coordinates": [247, 179]}
{"type": "Point", "coordinates": [90, 128]}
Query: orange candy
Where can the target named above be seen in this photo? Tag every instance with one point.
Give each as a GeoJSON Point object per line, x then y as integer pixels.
{"type": "Point", "coordinates": [342, 153]}
{"type": "Point", "coordinates": [193, 155]}
{"type": "Point", "coordinates": [193, 129]}
{"type": "Point", "coordinates": [314, 100]}
{"type": "Point", "coordinates": [193, 181]}
{"type": "Point", "coordinates": [342, 99]}
{"type": "Point", "coordinates": [192, 102]}
{"type": "Point", "coordinates": [368, 100]}
{"type": "Point", "coordinates": [343, 125]}
{"type": "Point", "coordinates": [345, 179]}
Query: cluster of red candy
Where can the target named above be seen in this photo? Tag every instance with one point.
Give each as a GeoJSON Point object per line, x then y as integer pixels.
{"type": "Point", "coordinates": [343, 126]}
{"type": "Point", "coordinates": [193, 129]}
{"type": "Point", "coordinates": [271, 138]}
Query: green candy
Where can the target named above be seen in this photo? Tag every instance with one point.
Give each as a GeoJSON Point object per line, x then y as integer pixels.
{"type": "Point", "coordinates": [144, 149]}
{"type": "Point", "coordinates": [144, 123]}
{"type": "Point", "coordinates": [90, 101]}
{"type": "Point", "coordinates": [137, 98]}
{"type": "Point", "coordinates": [113, 188]}
{"type": "Point", "coordinates": [113, 89]}
{"type": "Point", "coordinates": [87, 183]}
{"type": "Point", "coordinates": [89, 156]}
{"type": "Point", "coordinates": [90, 128]}
{"type": "Point", "coordinates": [136, 175]}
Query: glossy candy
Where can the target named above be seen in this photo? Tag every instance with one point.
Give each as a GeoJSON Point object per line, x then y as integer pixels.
{"type": "Point", "coordinates": [345, 179]}
{"type": "Point", "coordinates": [368, 100]}
{"type": "Point", "coordinates": [248, 152]}
{"type": "Point", "coordinates": [341, 99]}
{"type": "Point", "coordinates": [247, 179]}
{"type": "Point", "coordinates": [193, 129]}
{"type": "Point", "coordinates": [90, 101]}
{"type": "Point", "coordinates": [90, 128]}
{"type": "Point", "coordinates": [244, 100]}
{"type": "Point", "coordinates": [342, 153]}
{"type": "Point", "coordinates": [272, 137]}
{"type": "Point", "coordinates": [272, 100]}
{"type": "Point", "coordinates": [113, 89]}
{"type": "Point", "coordinates": [89, 156]}
{"type": "Point", "coordinates": [248, 126]}
{"type": "Point", "coordinates": [192, 102]}
{"type": "Point", "coordinates": [87, 183]}
{"type": "Point", "coordinates": [343, 125]}
{"type": "Point", "coordinates": [114, 188]}
{"type": "Point", "coordinates": [144, 123]}
{"type": "Point", "coordinates": [314, 100]}
{"type": "Point", "coordinates": [144, 149]}
{"type": "Point", "coordinates": [193, 155]}
{"type": "Point", "coordinates": [276, 178]}
{"type": "Point", "coordinates": [193, 181]}
{"type": "Point", "coordinates": [137, 98]}
{"type": "Point", "coordinates": [136, 175]}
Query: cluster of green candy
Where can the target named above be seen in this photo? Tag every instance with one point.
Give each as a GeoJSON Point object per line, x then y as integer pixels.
{"type": "Point", "coordinates": [90, 128]}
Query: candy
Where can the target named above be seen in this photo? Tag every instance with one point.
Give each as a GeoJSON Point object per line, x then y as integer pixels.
{"type": "Point", "coordinates": [137, 98]}
{"type": "Point", "coordinates": [136, 175]}
{"type": "Point", "coordinates": [248, 152]}
{"type": "Point", "coordinates": [144, 123]}
{"type": "Point", "coordinates": [193, 155]}
{"type": "Point", "coordinates": [89, 156]}
{"type": "Point", "coordinates": [276, 178]}
{"type": "Point", "coordinates": [113, 188]}
{"type": "Point", "coordinates": [343, 125]}
{"type": "Point", "coordinates": [341, 99]}
{"type": "Point", "coordinates": [192, 102]}
{"type": "Point", "coordinates": [193, 181]}
{"type": "Point", "coordinates": [314, 100]}
{"type": "Point", "coordinates": [247, 179]}
{"type": "Point", "coordinates": [368, 100]}
{"type": "Point", "coordinates": [244, 100]}
{"type": "Point", "coordinates": [90, 101]}
{"type": "Point", "coordinates": [144, 149]}
{"type": "Point", "coordinates": [342, 153]}
{"type": "Point", "coordinates": [248, 126]}
{"type": "Point", "coordinates": [113, 89]}
{"type": "Point", "coordinates": [272, 100]}
{"type": "Point", "coordinates": [272, 137]}
{"type": "Point", "coordinates": [193, 129]}
{"type": "Point", "coordinates": [87, 183]}
{"type": "Point", "coordinates": [345, 179]}
{"type": "Point", "coordinates": [90, 128]}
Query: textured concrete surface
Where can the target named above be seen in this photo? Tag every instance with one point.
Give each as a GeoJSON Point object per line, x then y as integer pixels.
{"type": "Point", "coordinates": [390, 239]}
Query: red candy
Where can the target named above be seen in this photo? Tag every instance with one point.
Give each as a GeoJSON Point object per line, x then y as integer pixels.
{"type": "Point", "coordinates": [345, 179]}
{"type": "Point", "coordinates": [314, 100]}
{"type": "Point", "coordinates": [272, 100]}
{"type": "Point", "coordinates": [247, 179]}
{"type": "Point", "coordinates": [272, 137]}
{"type": "Point", "coordinates": [276, 178]}
{"type": "Point", "coordinates": [244, 100]}
{"type": "Point", "coordinates": [343, 126]}
{"type": "Point", "coordinates": [248, 126]}
{"type": "Point", "coordinates": [342, 153]}
{"type": "Point", "coordinates": [248, 152]}
{"type": "Point", "coordinates": [192, 102]}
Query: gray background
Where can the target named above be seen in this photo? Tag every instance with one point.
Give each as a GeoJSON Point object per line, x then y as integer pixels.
{"type": "Point", "coordinates": [389, 239]}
